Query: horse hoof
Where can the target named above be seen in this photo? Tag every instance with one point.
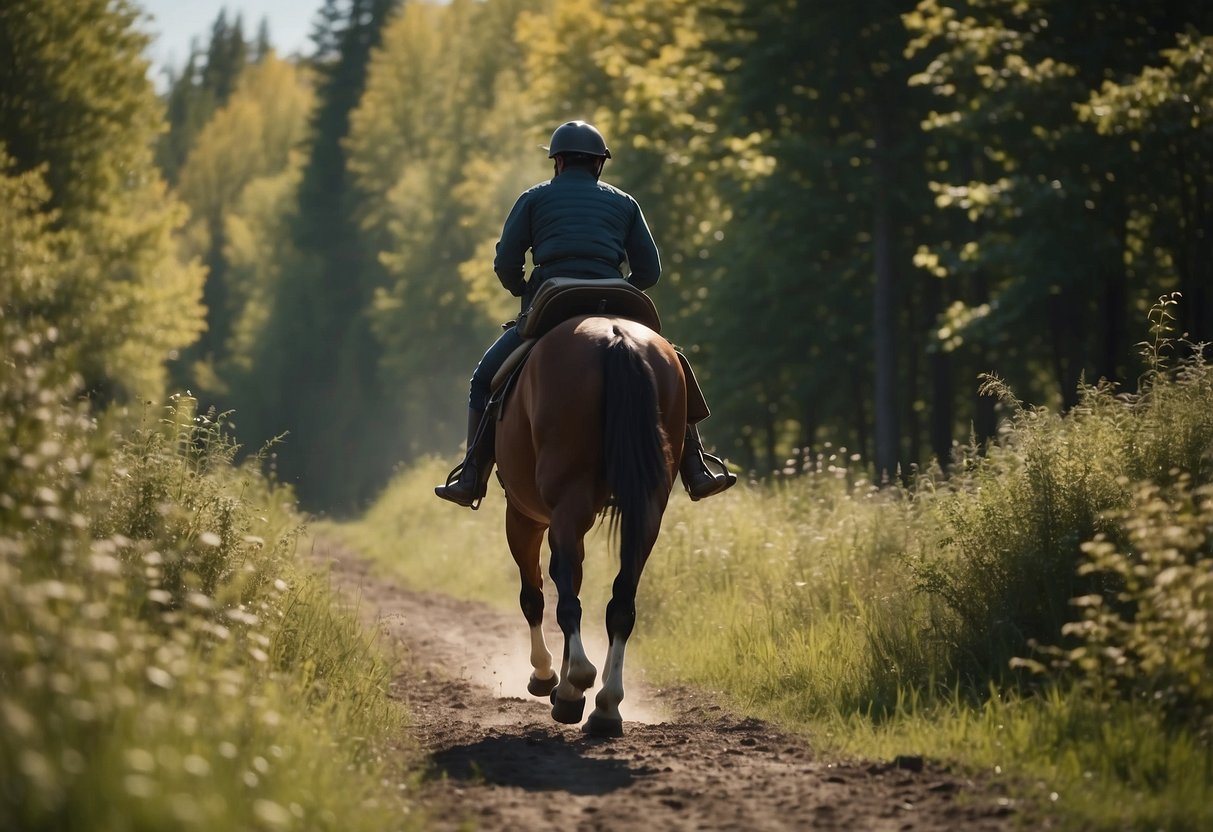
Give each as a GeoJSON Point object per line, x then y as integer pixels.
{"type": "Point", "coordinates": [542, 687]}
{"type": "Point", "coordinates": [569, 713]}
{"type": "Point", "coordinates": [601, 726]}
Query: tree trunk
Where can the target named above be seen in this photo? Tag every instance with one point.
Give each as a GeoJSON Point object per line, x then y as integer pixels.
{"type": "Point", "coordinates": [1065, 327]}
{"type": "Point", "coordinates": [884, 330]}
{"type": "Point", "coordinates": [939, 368]}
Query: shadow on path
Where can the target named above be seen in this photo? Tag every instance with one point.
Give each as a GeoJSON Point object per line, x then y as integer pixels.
{"type": "Point", "coordinates": [535, 761]}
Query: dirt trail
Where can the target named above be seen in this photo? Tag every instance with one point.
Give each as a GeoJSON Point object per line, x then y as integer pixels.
{"type": "Point", "coordinates": [498, 762]}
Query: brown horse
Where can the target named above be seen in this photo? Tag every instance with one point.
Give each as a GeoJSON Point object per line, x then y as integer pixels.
{"type": "Point", "coordinates": [598, 412]}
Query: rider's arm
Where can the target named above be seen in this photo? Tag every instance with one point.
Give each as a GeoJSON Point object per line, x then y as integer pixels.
{"type": "Point", "coordinates": [643, 258]}
{"type": "Point", "coordinates": [510, 263]}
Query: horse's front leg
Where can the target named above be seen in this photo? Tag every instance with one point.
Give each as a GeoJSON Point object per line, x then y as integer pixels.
{"type": "Point", "coordinates": [525, 537]}
{"type": "Point", "coordinates": [577, 674]}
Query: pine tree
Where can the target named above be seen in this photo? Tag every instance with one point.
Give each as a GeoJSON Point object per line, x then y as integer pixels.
{"type": "Point", "coordinates": [317, 360]}
{"type": "Point", "coordinates": [204, 85]}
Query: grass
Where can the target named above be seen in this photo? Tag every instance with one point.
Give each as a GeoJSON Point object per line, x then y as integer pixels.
{"type": "Point", "coordinates": [165, 660]}
{"type": "Point", "coordinates": [939, 619]}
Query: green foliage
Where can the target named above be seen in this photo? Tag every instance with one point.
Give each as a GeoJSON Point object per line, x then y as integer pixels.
{"type": "Point", "coordinates": [77, 108]}
{"type": "Point", "coordinates": [1149, 637]}
{"type": "Point", "coordinates": [415, 140]}
{"type": "Point", "coordinates": [1057, 230]}
{"type": "Point", "coordinates": [1005, 564]}
{"type": "Point", "coordinates": [165, 660]}
{"type": "Point", "coordinates": [46, 449]}
{"type": "Point", "coordinates": [204, 84]}
{"type": "Point", "coordinates": [930, 190]}
{"type": "Point", "coordinates": [315, 347]}
{"type": "Point", "coordinates": [1164, 113]}
{"type": "Point", "coordinates": [239, 182]}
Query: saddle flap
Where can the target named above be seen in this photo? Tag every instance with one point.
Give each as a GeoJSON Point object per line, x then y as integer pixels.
{"type": "Point", "coordinates": [512, 362]}
{"type": "Point", "coordinates": [561, 298]}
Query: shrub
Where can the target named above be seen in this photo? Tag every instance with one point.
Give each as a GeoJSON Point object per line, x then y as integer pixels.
{"type": "Point", "coordinates": [1011, 549]}
{"type": "Point", "coordinates": [1150, 636]}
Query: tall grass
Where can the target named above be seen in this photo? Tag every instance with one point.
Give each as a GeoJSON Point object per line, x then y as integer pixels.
{"type": "Point", "coordinates": [1043, 614]}
{"type": "Point", "coordinates": [165, 662]}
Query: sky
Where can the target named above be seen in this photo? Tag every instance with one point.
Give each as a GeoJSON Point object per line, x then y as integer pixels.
{"type": "Point", "coordinates": [177, 22]}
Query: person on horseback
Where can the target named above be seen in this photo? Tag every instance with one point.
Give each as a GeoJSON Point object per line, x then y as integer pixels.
{"type": "Point", "coordinates": [575, 226]}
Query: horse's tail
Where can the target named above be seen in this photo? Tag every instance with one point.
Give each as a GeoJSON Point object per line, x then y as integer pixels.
{"type": "Point", "coordinates": [636, 449]}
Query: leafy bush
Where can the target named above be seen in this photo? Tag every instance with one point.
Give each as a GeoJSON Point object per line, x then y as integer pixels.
{"type": "Point", "coordinates": [1012, 528]}
{"type": "Point", "coordinates": [1150, 638]}
{"type": "Point", "coordinates": [165, 660]}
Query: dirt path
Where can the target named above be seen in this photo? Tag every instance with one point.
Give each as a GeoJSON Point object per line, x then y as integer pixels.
{"type": "Point", "coordinates": [498, 761]}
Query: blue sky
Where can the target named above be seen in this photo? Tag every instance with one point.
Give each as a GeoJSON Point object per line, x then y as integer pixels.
{"type": "Point", "coordinates": [177, 22]}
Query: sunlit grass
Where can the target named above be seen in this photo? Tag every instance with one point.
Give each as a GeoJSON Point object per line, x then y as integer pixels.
{"type": "Point", "coordinates": [166, 661]}
{"type": "Point", "coordinates": [431, 544]}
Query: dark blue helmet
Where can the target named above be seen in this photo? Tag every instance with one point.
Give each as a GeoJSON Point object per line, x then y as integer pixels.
{"type": "Point", "coordinates": [578, 137]}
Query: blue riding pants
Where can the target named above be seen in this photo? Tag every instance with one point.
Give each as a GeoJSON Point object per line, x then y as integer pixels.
{"type": "Point", "coordinates": [494, 357]}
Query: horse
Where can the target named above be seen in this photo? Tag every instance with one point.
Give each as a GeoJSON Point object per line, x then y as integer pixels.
{"type": "Point", "coordinates": [593, 428]}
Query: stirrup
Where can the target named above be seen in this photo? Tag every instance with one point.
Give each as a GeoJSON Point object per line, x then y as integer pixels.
{"type": "Point", "coordinates": [707, 457]}
{"type": "Point", "coordinates": [722, 481]}
{"type": "Point", "coordinates": [452, 479]}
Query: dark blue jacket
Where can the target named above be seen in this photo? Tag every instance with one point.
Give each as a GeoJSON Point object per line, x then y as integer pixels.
{"type": "Point", "coordinates": [575, 226]}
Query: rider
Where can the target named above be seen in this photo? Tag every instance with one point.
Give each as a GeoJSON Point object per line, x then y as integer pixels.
{"type": "Point", "coordinates": [575, 226]}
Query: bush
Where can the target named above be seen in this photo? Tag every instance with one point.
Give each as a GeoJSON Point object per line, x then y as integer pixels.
{"type": "Point", "coordinates": [1150, 637]}
{"type": "Point", "coordinates": [164, 659]}
{"type": "Point", "coordinates": [1011, 551]}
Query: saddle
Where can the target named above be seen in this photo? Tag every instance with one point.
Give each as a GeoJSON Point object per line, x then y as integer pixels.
{"type": "Point", "coordinates": [561, 298]}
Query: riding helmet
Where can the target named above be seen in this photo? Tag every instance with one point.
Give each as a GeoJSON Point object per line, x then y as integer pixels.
{"type": "Point", "coordinates": [578, 137]}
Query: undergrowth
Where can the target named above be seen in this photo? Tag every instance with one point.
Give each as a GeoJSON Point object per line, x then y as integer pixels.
{"type": "Point", "coordinates": [164, 660]}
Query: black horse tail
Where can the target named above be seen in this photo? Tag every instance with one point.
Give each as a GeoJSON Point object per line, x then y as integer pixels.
{"type": "Point", "coordinates": [635, 446]}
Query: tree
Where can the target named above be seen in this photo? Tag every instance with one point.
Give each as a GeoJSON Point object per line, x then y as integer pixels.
{"type": "Point", "coordinates": [1047, 197]}
{"type": "Point", "coordinates": [316, 359]}
{"type": "Point", "coordinates": [815, 302]}
{"type": "Point", "coordinates": [1164, 113]}
{"type": "Point", "coordinates": [75, 103]}
{"type": "Point", "coordinates": [432, 151]}
{"type": "Point", "coordinates": [257, 135]}
{"type": "Point", "coordinates": [204, 85]}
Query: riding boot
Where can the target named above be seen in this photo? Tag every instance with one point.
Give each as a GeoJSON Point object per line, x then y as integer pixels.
{"type": "Point", "coordinates": [700, 481]}
{"type": "Point", "coordinates": [467, 484]}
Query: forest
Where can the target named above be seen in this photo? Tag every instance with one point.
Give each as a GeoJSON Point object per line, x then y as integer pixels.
{"type": "Point", "coordinates": [860, 209]}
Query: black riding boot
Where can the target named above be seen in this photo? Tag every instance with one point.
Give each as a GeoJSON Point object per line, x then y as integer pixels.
{"type": "Point", "coordinates": [700, 481]}
{"type": "Point", "coordinates": [467, 484]}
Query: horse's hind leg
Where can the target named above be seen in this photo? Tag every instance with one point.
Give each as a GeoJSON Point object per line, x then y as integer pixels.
{"type": "Point", "coordinates": [525, 537]}
{"type": "Point", "coordinates": [605, 721]}
{"type": "Point", "coordinates": [577, 674]}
